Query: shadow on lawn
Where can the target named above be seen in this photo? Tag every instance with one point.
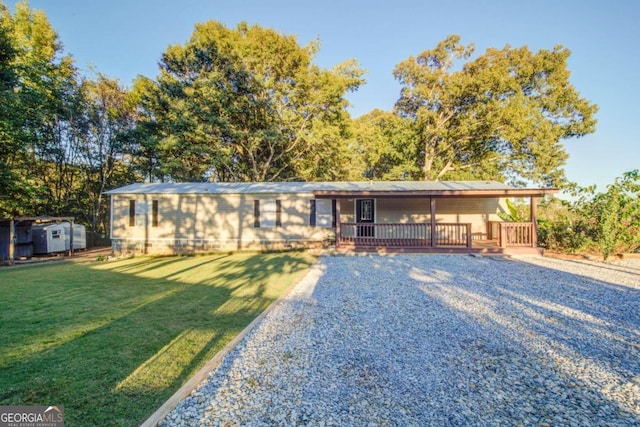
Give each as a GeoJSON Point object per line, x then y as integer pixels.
{"type": "Point", "coordinates": [130, 333]}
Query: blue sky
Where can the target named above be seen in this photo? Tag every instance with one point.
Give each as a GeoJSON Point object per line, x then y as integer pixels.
{"type": "Point", "coordinates": [124, 38]}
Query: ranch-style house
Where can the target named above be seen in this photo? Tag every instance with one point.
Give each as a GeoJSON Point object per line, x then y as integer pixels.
{"type": "Point", "coordinates": [411, 216]}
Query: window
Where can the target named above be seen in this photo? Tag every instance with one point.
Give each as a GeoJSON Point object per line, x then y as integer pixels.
{"type": "Point", "coordinates": [312, 213]}
{"type": "Point", "coordinates": [333, 213]}
{"type": "Point", "coordinates": [267, 213]}
{"type": "Point", "coordinates": [132, 213]}
{"type": "Point", "coordinates": [322, 213]}
{"type": "Point", "coordinates": [278, 213]}
{"type": "Point", "coordinates": [154, 213]}
{"type": "Point", "coordinates": [366, 210]}
{"type": "Point", "coordinates": [256, 213]}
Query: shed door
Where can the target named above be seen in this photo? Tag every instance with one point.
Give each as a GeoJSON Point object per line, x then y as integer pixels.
{"type": "Point", "coordinates": [365, 217]}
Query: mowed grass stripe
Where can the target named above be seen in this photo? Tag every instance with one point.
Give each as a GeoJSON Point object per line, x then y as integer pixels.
{"type": "Point", "coordinates": [112, 341]}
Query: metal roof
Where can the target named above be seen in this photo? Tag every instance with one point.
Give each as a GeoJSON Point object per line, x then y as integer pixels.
{"type": "Point", "coordinates": [328, 189]}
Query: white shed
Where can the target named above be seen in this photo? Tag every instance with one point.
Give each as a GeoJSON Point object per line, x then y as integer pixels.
{"type": "Point", "coordinates": [55, 237]}
{"type": "Point", "coordinates": [48, 238]}
{"type": "Point", "coordinates": [79, 237]}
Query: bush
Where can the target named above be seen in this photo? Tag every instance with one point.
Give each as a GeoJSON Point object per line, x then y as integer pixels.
{"type": "Point", "coordinates": [612, 219]}
{"type": "Point", "coordinates": [561, 236]}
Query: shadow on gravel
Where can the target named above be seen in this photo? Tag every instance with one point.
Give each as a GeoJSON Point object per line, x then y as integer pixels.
{"type": "Point", "coordinates": [584, 330]}
{"type": "Point", "coordinates": [441, 340]}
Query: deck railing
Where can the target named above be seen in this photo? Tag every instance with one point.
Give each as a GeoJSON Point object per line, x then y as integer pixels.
{"type": "Point", "coordinates": [405, 235]}
{"type": "Point", "coordinates": [385, 234]}
{"type": "Point", "coordinates": [453, 234]}
{"type": "Point", "coordinates": [511, 233]}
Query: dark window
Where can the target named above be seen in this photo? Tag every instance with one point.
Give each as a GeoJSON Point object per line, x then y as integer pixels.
{"type": "Point", "coordinates": [256, 213]}
{"type": "Point", "coordinates": [154, 213]}
{"type": "Point", "coordinates": [132, 213]}
{"type": "Point", "coordinates": [333, 213]}
{"type": "Point", "coordinates": [312, 213]}
{"type": "Point", "coordinates": [278, 213]}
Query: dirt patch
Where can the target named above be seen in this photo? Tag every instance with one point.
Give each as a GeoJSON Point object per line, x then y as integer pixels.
{"type": "Point", "coordinates": [590, 257]}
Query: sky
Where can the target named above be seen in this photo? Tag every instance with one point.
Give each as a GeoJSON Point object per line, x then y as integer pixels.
{"type": "Point", "coordinates": [125, 38]}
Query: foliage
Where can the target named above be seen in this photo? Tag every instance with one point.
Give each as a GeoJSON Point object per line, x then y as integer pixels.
{"type": "Point", "coordinates": [612, 219]}
{"type": "Point", "coordinates": [607, 221]}
{"type": "Point", "coordinates": [384, 145]}
{"type": "Point", "coordinates": [245, 105]}
{"type": "Point", "coordinates": [63, 138]}
{"type": "Point", "coordinates": [106, 148]}
{"type": "Point", "coordinates": [504, 112]}
{"type": "Point", "coordinates": [516, 212]}
{"type": "Point", "coordinates": [114, 348]}
{"type": "Point", "coordinates": [563, 236]}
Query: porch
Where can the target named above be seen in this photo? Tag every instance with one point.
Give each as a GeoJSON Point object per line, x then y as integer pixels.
{"type": "Point", "coordinates": [501, 238]}
{"type": "Point", "coordinates": [441, 217]}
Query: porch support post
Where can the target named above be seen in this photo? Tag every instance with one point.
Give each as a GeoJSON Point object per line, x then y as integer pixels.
{"type": "Point", "coordinates": [337, 223]}
{"type": "Point", "coordinates": [432, 216]}
{"type": "Point", "coordinates": [534, 221]}
{"type": "Point", "coordinates": [12, 241]}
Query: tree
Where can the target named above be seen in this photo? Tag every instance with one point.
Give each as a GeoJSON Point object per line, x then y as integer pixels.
{"type": "Point", "coordinates": [612, 219]}
{"type": "Point", "coordinates": [39, 121]}
{"type": "Point", "coordinates": [386, 146]}
{"type": "Point", "coordinates": [245, 105]}
{"type": "Point", "coordinates": [105, 155]}
{"type": "Point", "coordinates": [9, 125]}
{"type": "Point", "coordinates": [505, 112]}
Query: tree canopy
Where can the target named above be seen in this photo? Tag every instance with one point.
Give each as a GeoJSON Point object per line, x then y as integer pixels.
{"type": "Point", "coordinates": [246, 104]}
{"type": "Point", "coordinates": [250, 104]}
{"type": "Point", "coordinates": [501, 115]}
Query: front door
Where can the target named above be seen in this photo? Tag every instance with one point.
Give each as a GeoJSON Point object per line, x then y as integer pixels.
{"type": "Point", "coordinates": [365, 216]}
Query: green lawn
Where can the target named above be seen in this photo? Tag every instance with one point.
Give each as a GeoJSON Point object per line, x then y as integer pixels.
{"type": "Point", "coordinates": [112, 341]}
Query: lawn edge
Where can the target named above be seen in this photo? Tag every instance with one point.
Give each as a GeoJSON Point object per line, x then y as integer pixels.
{"type": "Point", "coordinates": [158, 416]}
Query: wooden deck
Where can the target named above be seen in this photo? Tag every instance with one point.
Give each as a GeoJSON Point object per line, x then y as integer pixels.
{"type": "Point", "coordinates": [486, 248]}
{"type": "Point", "coordinates": [505, 238]}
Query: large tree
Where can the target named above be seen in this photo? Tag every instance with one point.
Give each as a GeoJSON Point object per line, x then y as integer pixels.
{"type": "Point", "coordinates": [245, 104]}
{"type": "Point", "coordinates": [504, 113]}
{"type": "Point", "coordinates": [105, 155]}
{"type": "Point", "coordinates": [38, 124]}
{"type": "Point", "coordinates": [9, 122]}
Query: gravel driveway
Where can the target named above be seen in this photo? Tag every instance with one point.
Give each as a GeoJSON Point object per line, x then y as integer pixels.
{"type": "Point", "coordinates": [437, 340]}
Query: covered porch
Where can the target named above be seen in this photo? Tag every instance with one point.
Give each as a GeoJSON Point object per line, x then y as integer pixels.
{"type": "Point", "coordinates": [440, 220]}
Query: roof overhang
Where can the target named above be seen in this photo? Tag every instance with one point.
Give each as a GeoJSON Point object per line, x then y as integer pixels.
{"type": "Point", "coordinates": [512, 192]}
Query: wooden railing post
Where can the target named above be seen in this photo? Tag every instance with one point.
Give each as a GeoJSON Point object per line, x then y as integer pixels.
{"type": "Point", "coordinates": [432, 216]}
{"type": "Point", "coordinates": [534, 221]}
{"type": "Point", "coordinates": [502, 235]}
{"type": "Point", "coordinates": [469, 237]}
{"type": "Point", "coordinates": [338, 227]}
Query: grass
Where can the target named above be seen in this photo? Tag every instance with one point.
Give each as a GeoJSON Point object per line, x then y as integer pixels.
{"type": "Point", "coordinates": [112, 341]}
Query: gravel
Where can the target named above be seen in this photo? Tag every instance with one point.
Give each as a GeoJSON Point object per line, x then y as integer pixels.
{"type": "Point", "coordinates": [437, 340]}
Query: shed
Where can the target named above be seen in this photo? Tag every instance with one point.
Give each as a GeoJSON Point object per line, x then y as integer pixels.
{"type": "Point", "coordinates": [17, 235]}
{"type": "Point", "coordinates": [79, 237]}
{"type": "Point", "coordinates": [52, 238]}
{"type": "Point", "coordinates": [48, 238]}
{"type": "Point", "coordinates": [23, 240]}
